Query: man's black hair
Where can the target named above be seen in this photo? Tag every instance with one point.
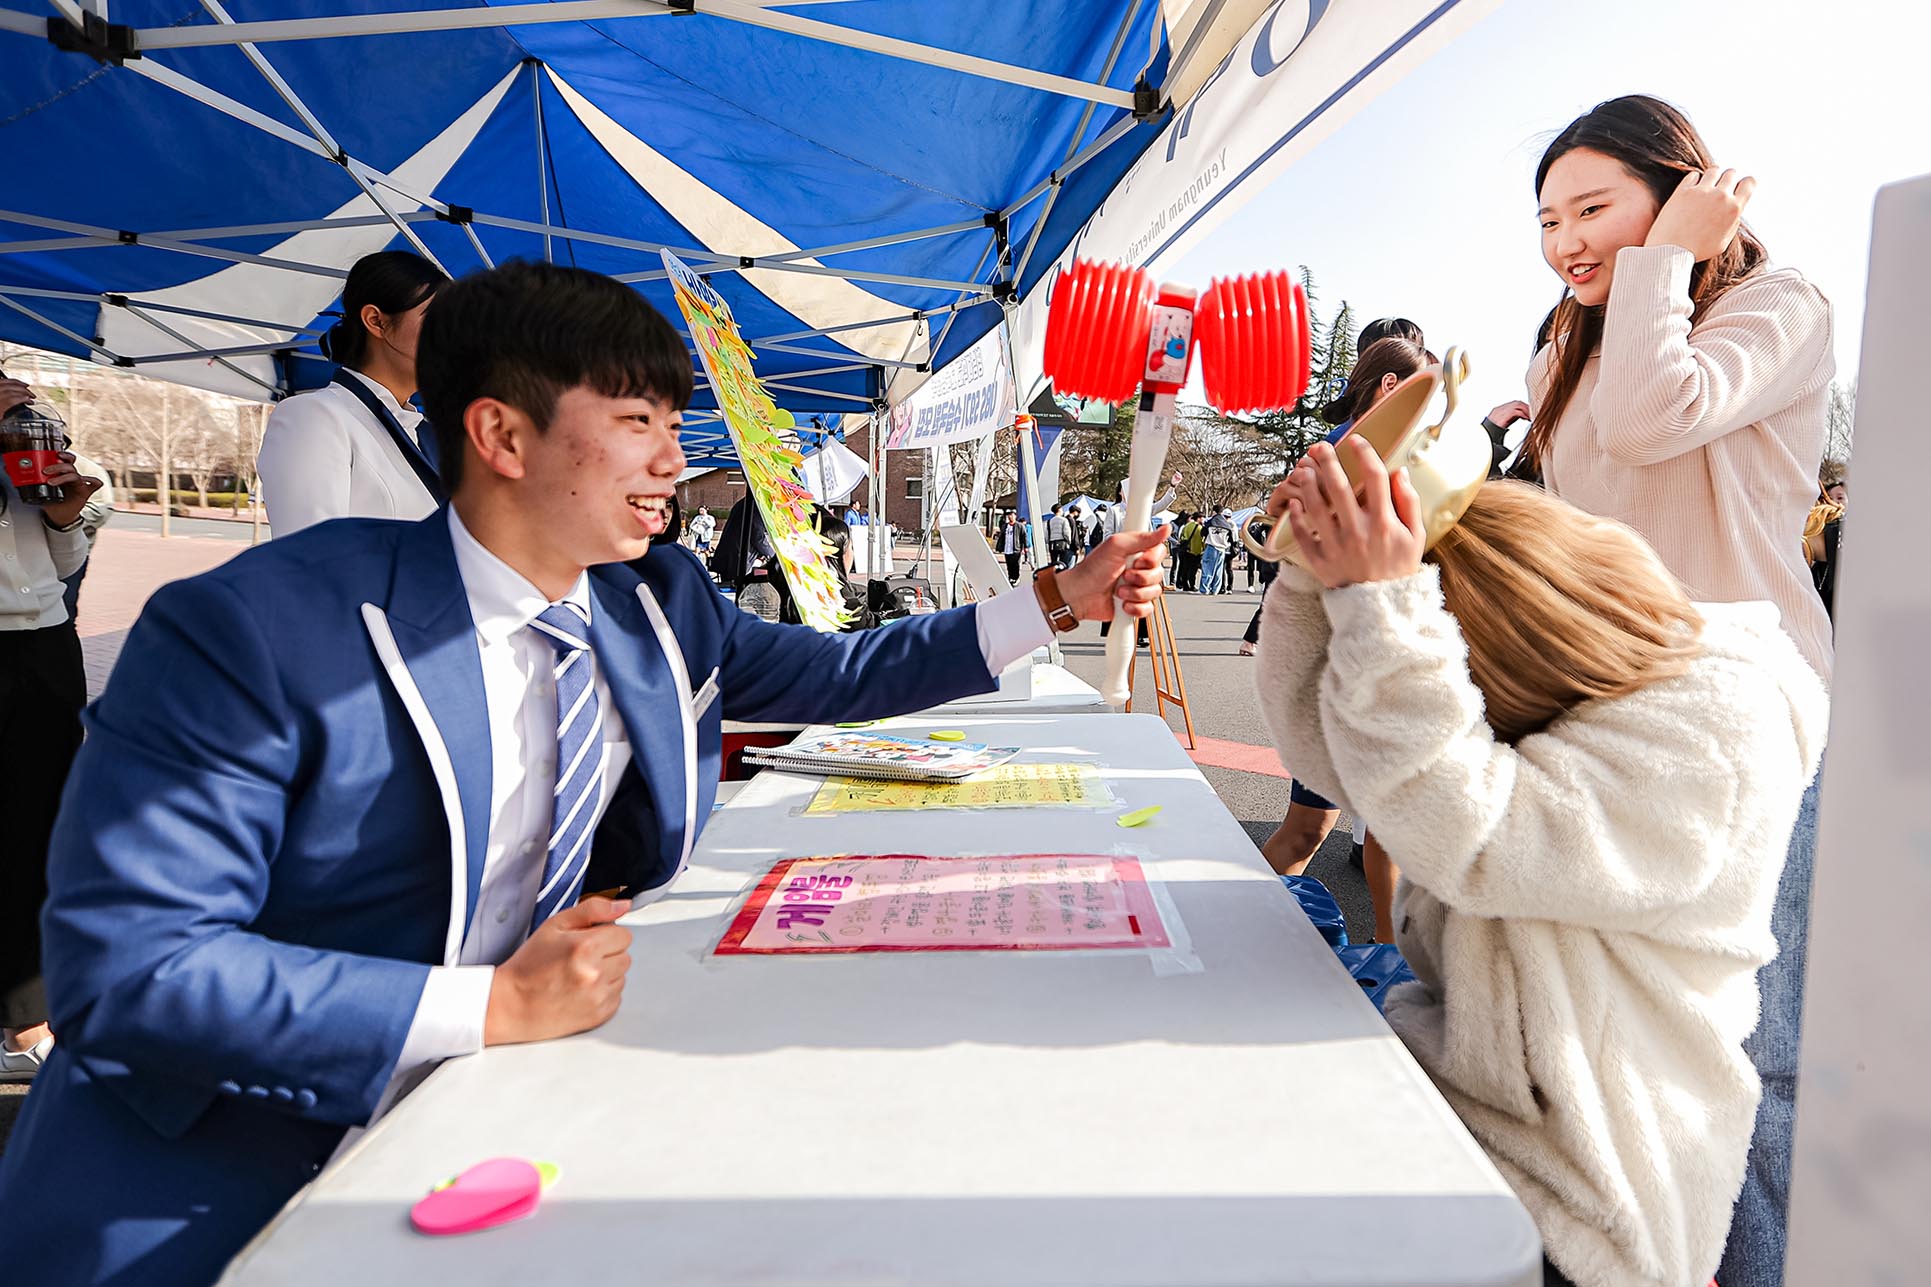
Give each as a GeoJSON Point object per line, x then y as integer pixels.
{"type": "Point", "coordinates": [526, 333]}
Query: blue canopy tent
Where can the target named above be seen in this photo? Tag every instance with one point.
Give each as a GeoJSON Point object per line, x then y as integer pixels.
{"type": "Point", "coordinates": [865, 181]}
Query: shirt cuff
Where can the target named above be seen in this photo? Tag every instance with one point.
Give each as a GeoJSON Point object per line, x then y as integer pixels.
{"type": "Point", "coordinates": [449, 1016]}
{"type": "Point", "coordinates": [1010, 626]}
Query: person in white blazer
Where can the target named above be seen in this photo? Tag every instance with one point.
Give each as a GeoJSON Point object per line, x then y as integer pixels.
{"type": "Point", "coordinates": [355, 447]}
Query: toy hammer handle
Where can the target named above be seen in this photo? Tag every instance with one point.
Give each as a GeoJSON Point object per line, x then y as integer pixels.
{"type": "Point", "coordinates": [1152, 429]}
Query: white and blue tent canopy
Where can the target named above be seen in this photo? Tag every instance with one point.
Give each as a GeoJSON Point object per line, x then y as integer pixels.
{"type": "Point", "coordinates": [866, 181]}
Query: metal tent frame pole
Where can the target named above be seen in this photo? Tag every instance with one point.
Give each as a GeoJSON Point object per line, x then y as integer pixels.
{"type": "Point", "coordinates": [111, 299]}
{"type": "Point", "coordinates": [754, 13]}
{"type": "Point", "coordinates": [542, 158]}
{"type": "Point", "coordinates": [169, 331]}
{"type": "Point", "coordinates": [83, 340]}
{"type": "Point", "coordinates": [779, 16]}
{"type": "Point", "coordinates": [1086, 118]}
{"type": "Point", "coordinates": [311, 122]}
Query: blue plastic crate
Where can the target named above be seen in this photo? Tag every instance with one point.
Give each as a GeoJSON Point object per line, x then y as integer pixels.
{"type": "Point", "coordinates": [1377, 967]}
{"type": "Point", "coordinates": [1320, 907]}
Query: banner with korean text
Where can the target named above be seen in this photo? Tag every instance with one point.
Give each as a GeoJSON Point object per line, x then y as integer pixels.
{"type": "Point", "coordinates": [969, 399]}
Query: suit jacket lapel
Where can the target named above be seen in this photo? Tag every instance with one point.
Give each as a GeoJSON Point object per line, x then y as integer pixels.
{"type": "Point", "coordinates": [421, 459]}
{"type": "Point", "coordinates": [433, 661]}
{"type": "Point", "coordinates": [650, 686]}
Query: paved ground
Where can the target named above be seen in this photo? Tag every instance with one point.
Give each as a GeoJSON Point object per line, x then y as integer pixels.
{"type": "Point", "coordinates": [128, 565]}
{"type": "Point", "coordinates": [226, 529]}
{"type": "Point", "coordinates": [131, 560]}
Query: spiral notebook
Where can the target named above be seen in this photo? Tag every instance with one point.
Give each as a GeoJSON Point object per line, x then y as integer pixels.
{"type": "Point", "coordinates": [880, 755]}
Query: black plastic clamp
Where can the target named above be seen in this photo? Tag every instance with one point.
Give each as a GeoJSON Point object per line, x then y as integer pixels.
{"type": "Point", "coordinates": [103, 41]}
{"type": "Point", "coordinates": [1146, 101]}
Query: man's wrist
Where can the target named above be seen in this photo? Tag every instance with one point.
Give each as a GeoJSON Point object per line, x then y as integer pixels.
{"type": "Point", "coordinates": [1053, 601]}
{"type": "Point", "coordinates": [48, 519]}
{"type": "Point", "coordinates": [501, 1024]}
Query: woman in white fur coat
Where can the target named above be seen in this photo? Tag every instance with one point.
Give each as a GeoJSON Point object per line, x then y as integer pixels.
{"type": "Point", "coordinates": [1588, 783]}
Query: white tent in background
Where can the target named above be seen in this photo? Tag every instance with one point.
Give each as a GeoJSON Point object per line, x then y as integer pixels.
{"type": "Point", "coordinates": [832, 472]}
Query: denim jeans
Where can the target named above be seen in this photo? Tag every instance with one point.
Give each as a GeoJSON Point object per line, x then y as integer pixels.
{"type": "Point", "coordinates": [1755, 1253]}
{"type": "Point", "coordinates": [1212, 560]}
{"type": "Point", "coordinates": [71, 595]}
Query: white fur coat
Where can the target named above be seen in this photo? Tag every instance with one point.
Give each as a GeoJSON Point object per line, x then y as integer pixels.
{"type": "Point", "coordinates": [1585, 911]}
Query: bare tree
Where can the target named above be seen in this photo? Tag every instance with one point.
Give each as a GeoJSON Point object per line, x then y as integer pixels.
{"type": "Point", "coordinates": [204, 440]}
{"type": "Point", "coordinates": [130, 424]}
{"type": "Point", "coordinates": [1223, 463]}
{"type": "Point", "coordinates": [1839, 421]}
{"type": "Point", "coordinates": [965, 466]}
{"type": "Point", "coordinates": [251, 421]}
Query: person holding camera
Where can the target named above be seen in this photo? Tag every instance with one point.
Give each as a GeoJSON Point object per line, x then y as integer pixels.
{"type": "Point", "coordinates": [42, 689]}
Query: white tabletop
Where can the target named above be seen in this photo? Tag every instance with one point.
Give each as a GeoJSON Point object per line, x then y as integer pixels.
{"type": "Point", "coordinates": [962, 1117]}
{"type": "Point", "coordinates": [1055, 691]}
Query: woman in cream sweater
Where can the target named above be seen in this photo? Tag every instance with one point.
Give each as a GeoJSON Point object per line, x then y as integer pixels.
{"type": "Point", "coordinates": [1589, 784]}
{"type": "Point", "coordinates": [1682, 392]}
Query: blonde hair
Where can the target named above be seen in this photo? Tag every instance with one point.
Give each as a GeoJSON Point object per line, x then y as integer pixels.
{"type": "Point", "coordinates": [1558, 607]}
{"type": "Point", "coordinates": [1824, 511]}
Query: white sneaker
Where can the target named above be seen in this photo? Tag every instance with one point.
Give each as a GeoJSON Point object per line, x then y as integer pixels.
{"type": "Point", "coordinates": [22, 1065]}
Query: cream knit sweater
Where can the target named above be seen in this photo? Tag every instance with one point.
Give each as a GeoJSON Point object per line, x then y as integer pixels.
{"type": "Point", "coordinates": [1585, 911]}
{"type": "Point", "coordinates": [1705, 439]}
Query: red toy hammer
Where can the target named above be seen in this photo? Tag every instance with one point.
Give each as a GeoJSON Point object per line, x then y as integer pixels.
{"type": "Point", "coordinates": [1109, 329]}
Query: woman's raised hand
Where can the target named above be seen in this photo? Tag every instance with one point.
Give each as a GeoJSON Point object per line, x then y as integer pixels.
{"type": "Point", "coordinates": [1347, 537]}
{"type": "Point", "coordinates": [1703, 214]}
{"type": "Point", "coordinates": [1508, 413]}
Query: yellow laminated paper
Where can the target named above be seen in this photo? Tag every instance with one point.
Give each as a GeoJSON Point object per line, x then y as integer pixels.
{"type": "Point", "coordinates": [1008, 786]}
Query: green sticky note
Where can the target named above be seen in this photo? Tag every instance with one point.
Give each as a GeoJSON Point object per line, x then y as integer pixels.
{"type": "Point", "coordinates": [947, 735]}
{"type": "Point", "coordinates": [857, 723]}
{"type": "Point", "coordinates": [547, 1173]}
{"type": "Point", "coordinates": [1139, 817]}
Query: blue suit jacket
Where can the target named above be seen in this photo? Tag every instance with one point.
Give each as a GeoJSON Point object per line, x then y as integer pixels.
{"type": "Point", "coordinates": [277, 826]}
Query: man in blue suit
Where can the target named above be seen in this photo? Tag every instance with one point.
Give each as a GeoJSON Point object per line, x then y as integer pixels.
{"type": "Point", "coordinates": [338, 803]}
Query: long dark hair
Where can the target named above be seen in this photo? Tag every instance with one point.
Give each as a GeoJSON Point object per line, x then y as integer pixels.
{"type": "Point", "coordinates": [1391, 356]}
{"type": "Point", "coordinates": [395, 281]}
{"type": "Point", "coordinates": [1657, 144]}
{"type": "Point", "coordinates": [673, 526]}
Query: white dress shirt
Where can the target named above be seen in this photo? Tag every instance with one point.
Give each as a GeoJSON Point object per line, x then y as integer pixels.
{"type": "Point", "coordinates": [33, 559]}
{"type": "Point", "coordinates": [519, 691]}
{"type": "Point", "coordinates": [324, 456]}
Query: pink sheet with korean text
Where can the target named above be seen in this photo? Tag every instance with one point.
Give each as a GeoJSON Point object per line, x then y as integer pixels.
{"type": "Point", "coordinates": [909, 903]}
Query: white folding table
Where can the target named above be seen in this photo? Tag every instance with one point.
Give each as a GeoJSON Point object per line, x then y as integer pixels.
{"type": "Point", "coordinates": [1240, 1117]}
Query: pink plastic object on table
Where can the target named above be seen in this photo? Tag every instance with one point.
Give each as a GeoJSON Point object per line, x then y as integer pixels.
{"type": "Point", "coordinates": [486, 1195]}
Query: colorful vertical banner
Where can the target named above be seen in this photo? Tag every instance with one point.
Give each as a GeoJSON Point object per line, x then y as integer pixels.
{"type": "Point", "coordinates": [770, 467]}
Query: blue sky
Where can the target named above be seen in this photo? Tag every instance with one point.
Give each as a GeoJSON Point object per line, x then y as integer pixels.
{"type": "Point", "coordinates": [1421, 205]}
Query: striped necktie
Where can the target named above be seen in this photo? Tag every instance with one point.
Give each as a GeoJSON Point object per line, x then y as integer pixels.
{"type": "Point", "coordinates": [579, 761]}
